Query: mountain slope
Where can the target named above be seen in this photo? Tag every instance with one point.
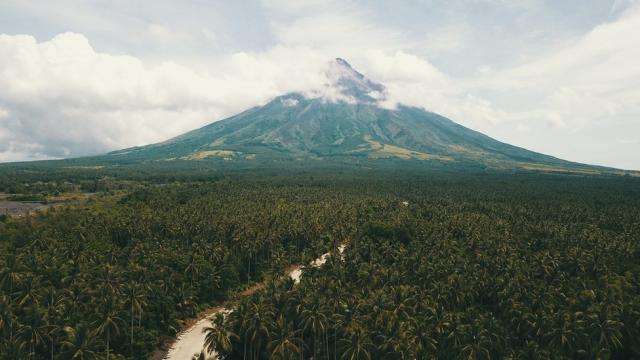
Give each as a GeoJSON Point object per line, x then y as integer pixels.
{"type": "Point", "coordinates": [345, 123]}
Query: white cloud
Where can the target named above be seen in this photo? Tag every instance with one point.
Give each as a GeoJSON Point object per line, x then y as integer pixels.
{"type": "Point", "coordinates": [411, 80]}
{"type": "Point", "coordinates": [165, 36]}
{"type": "Point", "coordinates": [589, 88]}
{"type": "Point", "coordinates": [290, 102]}
{"type": "Point", "coordinates": [63, 97]}
{"type": "Point", "coordinates": [404, 68]}
{"type": "Point", "coordinates": [339, 28]}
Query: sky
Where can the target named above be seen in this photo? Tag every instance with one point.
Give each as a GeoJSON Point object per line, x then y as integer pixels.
{"type": "Point", "coordinates": [86, 77]}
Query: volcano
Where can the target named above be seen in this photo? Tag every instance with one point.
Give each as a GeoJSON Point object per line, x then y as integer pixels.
{"type": "Point", "coordinates": [345, 122]}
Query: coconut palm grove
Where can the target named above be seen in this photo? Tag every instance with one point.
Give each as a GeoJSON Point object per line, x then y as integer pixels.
{"type": "Point", "coordinates": [443, 264]}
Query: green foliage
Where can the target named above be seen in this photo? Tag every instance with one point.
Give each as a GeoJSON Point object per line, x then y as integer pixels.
{"type": "Point", "coordinates": [110, 277]}
{"type": "Point", "coordinates": [28, 197]}
{"type": "Point", "coordinates": [473, 266]}
{"type": "Point", "coordinates": [474, 269]}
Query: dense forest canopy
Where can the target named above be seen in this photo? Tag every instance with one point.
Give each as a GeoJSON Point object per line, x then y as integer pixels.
{"type": "Point", "coordinates": [496, 270]}
{"type": "Point", "coordinates": [443, 264]}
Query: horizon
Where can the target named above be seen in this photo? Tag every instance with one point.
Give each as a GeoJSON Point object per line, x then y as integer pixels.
{"type": "Point", "coordinates": [555, 82]}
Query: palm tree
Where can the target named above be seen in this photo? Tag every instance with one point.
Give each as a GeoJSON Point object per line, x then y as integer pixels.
{"type": "Point", "coordinates": [214, 278]}
{"type": "Point", "coordinates": [53, 305]}
{"type": "Point", "coordinates": [108, 322]}
{"type": "Point", "coordinates": [136, 300]}
{"type": "Point", "coordinates": [7, 316]}
{"type": "Point", "coordinates": [256, 327]}
{"type": "Point", "coordinates": [29, 293]}
{"type": "Point", "coordinates": [285, 340]}
{"type": "Point", "coordinates": [75, 298]}
{"type": "Point", "coordinates": [357, 345]}
{"type": "Point", "coordinates": [477, 347]}
{"type": "Point", "coordinates": [193, 268]}
{"type": "Point", "coordinates": [218, 338]}
{"type": "Point", "coordinates": [12, 273]}
{"type": "Point", "coordinates": [606, 334]}
{"type": "Point", "coordinates": [315, 320]}
{"type": "Point", "coordinates": [108, 278]}
{"type": "Point", "coordinates": [34, 330]}
{"type": "Point", "coordinates": [80, 344]}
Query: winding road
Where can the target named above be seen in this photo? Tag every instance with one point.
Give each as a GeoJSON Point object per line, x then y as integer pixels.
{"type": "Point", "coordinates": [191, 341]}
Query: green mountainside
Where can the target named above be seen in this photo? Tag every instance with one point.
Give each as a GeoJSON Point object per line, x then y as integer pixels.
{"type": "Point", "coordinates": [349, 127]}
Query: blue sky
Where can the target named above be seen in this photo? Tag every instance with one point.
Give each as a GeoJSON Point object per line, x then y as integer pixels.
{"type": "Point", "coordinates": [84, 77]}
